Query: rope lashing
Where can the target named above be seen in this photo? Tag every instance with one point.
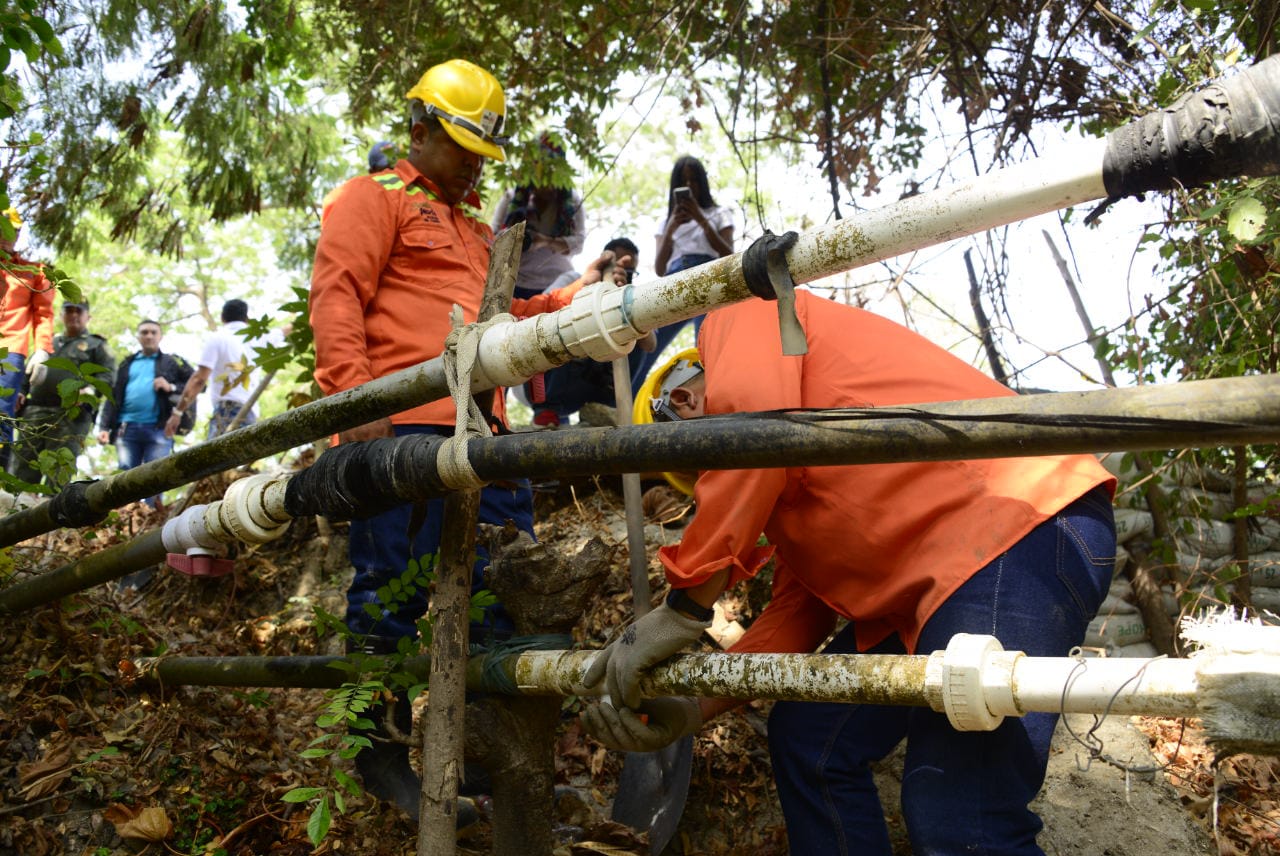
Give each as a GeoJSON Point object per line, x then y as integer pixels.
{"type": "Point", "coordinates": [461, 348]}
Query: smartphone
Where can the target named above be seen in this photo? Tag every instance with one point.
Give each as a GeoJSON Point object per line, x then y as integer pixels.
{"type": "Point", "coordinates": [683, 193]}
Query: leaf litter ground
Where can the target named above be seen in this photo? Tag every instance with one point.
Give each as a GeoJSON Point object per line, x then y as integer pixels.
{"type": "Point", "coordinates": [93, 763]}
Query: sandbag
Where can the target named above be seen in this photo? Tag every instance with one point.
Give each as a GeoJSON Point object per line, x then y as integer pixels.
{"type": "Point", "coordinates": [1264, 570]}
{"type": "Point", "coordinates": [1132, 523]}
{"type": "Point", "coordinates": [1190, 473]}
{"type": "Point", "coordinates": [1122, 561]}
{"type": "Point", "coordinates": [1205, 503]}
{"type": "Point", "coordinates": [1211, 539]}
{"type": "Point", "coordinates": [1115, 630]}
{"type": "Point", "coordinates": [1112, 605]}
{"type": "Point", "coordinates": [1267, 599]}
{"type": "Point", "coordinates": [1144, 650]}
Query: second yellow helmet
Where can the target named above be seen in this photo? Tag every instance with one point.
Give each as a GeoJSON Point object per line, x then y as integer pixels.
{"type": "Point", "coordinates": [656, 389]}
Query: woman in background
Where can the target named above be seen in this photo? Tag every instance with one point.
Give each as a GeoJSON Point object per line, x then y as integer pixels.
{"type": "Point", "coordinates": [695, 232]}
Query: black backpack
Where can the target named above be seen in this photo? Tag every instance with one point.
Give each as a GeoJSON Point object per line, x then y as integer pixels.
{"type": "Point", "coordinates": [188, 420]}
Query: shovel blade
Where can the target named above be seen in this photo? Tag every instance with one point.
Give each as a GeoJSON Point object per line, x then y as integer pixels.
{"type": "Point", "coordinates": [652, 790]}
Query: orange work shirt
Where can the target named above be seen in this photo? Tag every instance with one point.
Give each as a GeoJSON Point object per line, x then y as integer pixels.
{"type": "Point", "coordinates": [880, 544]}
{"type": "Point", "coordinates": [392, 260]}
{"type": "Point", "coordinates": [26, 308]}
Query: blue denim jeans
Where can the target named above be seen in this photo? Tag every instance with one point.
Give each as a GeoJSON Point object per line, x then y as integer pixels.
{"type": "Point", "coordinates": [224, 414]}
{"type": "Point", "coordinates": [380, 549]}
{"type": "Point", "coordinates": [11, 370]}
{"type": "Point", "coordinates": [962, 792]}
{"type": "Point", "coordinates": [642, 362]}
{"type": "Point", "coordinates": [138, 444]}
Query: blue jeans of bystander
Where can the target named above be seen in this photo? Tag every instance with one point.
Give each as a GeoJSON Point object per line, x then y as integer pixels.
{"type": "Point", "coordinates": [962, 792]}
{"type": "Point", "coordinates": [138, 444]}
{"type": "Point", "coordinates": [141, 444]}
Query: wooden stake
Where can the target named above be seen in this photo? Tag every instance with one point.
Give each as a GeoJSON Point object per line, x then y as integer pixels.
{"type": "Point", "coordinates": [445, 731]}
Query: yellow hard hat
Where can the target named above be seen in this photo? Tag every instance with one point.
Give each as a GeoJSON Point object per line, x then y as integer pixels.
{"type": "Point", "coordinates": [469, 102]}
{"type": "Point", "coordinates": [14, 217]}
{"type": "Point", "coordinates": [656, 391]}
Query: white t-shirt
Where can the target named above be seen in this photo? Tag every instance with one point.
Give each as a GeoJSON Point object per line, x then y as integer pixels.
{"type": "Point", "coordinates": [230, 360]}
{"type": "Point", "coordinates": [688, 239]}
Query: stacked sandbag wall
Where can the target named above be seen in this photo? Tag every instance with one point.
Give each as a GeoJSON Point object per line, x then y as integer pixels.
{"type": "Point", "coordinates": [1199, 565]}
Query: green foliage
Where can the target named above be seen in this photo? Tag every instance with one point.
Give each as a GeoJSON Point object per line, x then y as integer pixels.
{"type": "Point", "coordinates": [22, 31]}
{"type": "Point", "coordinates": [1219, 248]}
{"type": "Point", "coordinates": [246, 95]}
{"type": "Point", "coordinates": [232, 98]}
{"type": "Point", "coordinates": [348, 709]}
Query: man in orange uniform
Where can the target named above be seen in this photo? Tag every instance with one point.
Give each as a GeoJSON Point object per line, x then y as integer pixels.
{"type": "Point", "coordinates": [26, 327]}
{"type": "Point", "coordinates": [910, 554]}
{"type": "Point", "coordinates": [398, 248]}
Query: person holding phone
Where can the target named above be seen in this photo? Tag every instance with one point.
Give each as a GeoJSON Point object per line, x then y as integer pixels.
{"type": "Point", "coordinates": [695, 232]}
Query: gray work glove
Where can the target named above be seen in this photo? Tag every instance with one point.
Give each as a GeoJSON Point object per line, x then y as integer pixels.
{"type": "Point", "coordinates": [644, 642]}
{"type": "Point", "coordinates": [668, 719]}
{"type": "Point", "coordinates": [36, 368]}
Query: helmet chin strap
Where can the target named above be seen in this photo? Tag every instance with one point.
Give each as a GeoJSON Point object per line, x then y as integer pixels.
{"type": "Point", "coordinates": [420, 110]}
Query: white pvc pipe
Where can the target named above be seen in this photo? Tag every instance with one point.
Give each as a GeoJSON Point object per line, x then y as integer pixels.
{"type": "Point", "coordinates": [974, 681]}
{"type": "Point", "coordinates": [604, 322]}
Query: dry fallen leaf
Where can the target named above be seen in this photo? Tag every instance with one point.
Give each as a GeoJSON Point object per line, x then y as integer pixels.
{"type": "Point", "coordinates": [42, 776]}
{"type": "Point", "coordinates": [151, 824]}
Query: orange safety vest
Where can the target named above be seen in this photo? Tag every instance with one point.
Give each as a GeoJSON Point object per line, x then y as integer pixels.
{"type": "Point", "coordinates": [26, 308]}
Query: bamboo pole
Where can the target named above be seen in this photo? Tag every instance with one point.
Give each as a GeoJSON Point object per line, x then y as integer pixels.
{"type": "Point", "coordinates": [1230, 683]}
{"type": "Point", "coordinates": [1193, 414]}
{"type": "Point", "coordinates": [1146, 588]}
{"type": "Point", "coordinates": [890, 679]}
{"type": "Point", "coordinates": [143, 551]}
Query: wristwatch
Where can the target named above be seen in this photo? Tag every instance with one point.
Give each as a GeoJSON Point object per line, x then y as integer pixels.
{"type": "Point", "coordinates": [680, 601]}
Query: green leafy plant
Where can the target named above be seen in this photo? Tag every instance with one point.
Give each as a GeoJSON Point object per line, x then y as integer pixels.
{"type": "Point", "coordinates": [346, 715]}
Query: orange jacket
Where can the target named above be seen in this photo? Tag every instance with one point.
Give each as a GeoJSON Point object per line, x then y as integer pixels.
{"type": "Point", "coordinates": [26, 308]}
{"type": "Point", "coordinates": [881, 544]}
{"type": "Point", "coordinates": [392, 260]}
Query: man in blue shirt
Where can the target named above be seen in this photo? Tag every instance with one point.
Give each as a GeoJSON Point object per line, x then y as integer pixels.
{"type": "Point", "coordinates": [134, 421]}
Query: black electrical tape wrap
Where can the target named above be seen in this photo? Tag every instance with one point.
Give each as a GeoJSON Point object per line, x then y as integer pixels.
{"type": "Point", "coordinates": [71, 506]}
{"type": "Point", "coordinates": [494, 678]}
{"type": "Point", "coordinates": [755, 262]}
{"type": "Point", "coordinates": [1229, 128]}
{"type": "Point", "coordinates": [359, 480]}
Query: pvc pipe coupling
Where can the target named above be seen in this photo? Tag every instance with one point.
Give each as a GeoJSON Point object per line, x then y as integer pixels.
{"type": "Point", "coordinates": [252, 511]}
{"type": "Point", "coordinates": [597, 323]}
{"type": "Point", "coordinates": [972, 682]}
